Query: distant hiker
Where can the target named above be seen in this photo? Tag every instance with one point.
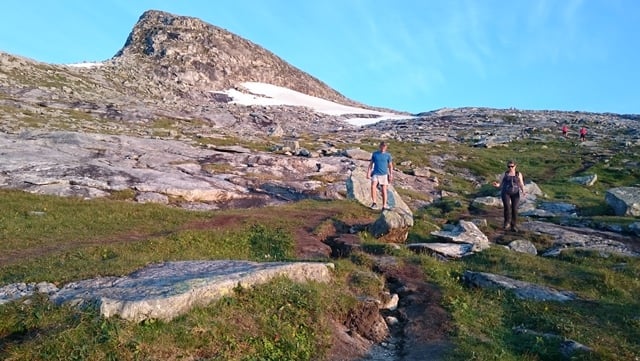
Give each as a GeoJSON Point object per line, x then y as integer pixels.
{"type": "Point", "coordinates": [565, 130]}
{"type": "Point", "coordinates": [510, 186]}
{"type": "Point", "coordinates": [381, 173]}
{"type": "Point", "coordinates": [583, 134]}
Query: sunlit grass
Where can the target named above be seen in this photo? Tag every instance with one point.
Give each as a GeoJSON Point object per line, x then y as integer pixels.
{"type": "Point", "coordinates": [69, 239]}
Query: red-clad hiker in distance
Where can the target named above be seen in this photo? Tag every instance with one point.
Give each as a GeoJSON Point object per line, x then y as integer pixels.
{"type": "Point", "coordinates": [583, 134]}
{"type": "Point", "coordinates": [565, 130]}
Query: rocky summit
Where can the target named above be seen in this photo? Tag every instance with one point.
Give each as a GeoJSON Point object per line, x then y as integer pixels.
{"type": "Point", "coordinates": [190, 55]}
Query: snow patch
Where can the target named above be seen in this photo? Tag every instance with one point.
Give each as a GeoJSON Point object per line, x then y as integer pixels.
{"type": "Point", "coordinates": [268, 94]}
{"type": "Point", "coordinates": [86, 65]}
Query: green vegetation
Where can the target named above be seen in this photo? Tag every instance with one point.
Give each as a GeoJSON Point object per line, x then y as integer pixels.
{"type": "Point", "coordinates": [227, 140]}
{"type": "Point", "coordinates": [65, 239]}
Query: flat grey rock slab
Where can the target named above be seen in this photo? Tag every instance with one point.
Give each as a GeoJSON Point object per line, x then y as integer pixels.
{"type": "Point", "coordinates": [566, 238]}
{"type": "Point", "coordinates": [166, 290]}
{"type": "Point", "coordinates": [467, 233]}
{"type": "Point", "coordinates": [523, 290]}
{"type": "Point", "coordinates": [451, 250]}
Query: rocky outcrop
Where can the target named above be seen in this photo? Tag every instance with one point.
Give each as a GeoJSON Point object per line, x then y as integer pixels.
{"type": "Point", "coordinates": [16, 291]}
{"type": "Point", "coordinates": [393, 224]}
{"type": "Point", "coordinates": [465, 232]}
{"type": "Point", "coordinates": [462, 239]}
{"type": "Point", "coordinates": [625, 201]}
{"type": "Point", "coordinates": [96, 165]}
{"type": "Point", "coordinates": [566, 238]}
{"type": "Point", "coordinates": [522, 290]}
{"type": "Point", "coordinates": [586, 180]}
{"type": "Point", "coordinates": [190, 52]}
{"type": "Point", "coordinates": [166, 290]}
{"type": "Point", "coordinates": [486, 127]}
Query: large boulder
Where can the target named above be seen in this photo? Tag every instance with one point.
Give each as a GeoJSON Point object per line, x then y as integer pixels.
{"type": "Point", "coordinates": [467, 233]}
{"type": "Point", "coordinates": [357, 153]}
{"type": "Point", "coordinates": [166, 290]}
{"type": "Point", "coordinates": [393, 224]}
{"type": "Point", "coordinates": [625, 201]}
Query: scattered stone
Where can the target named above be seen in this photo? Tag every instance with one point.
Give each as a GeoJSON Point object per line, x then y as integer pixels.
{"type": "Point", "coordinates": [482, 202]}
{"type": "Point", "coordinates": [392, 321]}
{"type": "Point", "coordinates": [421, 172]}
{"type": "Point", "coordinates": [493, 141]}
{"type": "Point", "coordinates": [19, 290]}
{"type": "Point", "coordinates": [523, 246]}
{"type": "Point", "coordinates": [587, 180]}
{"type": "Point", "coordinates": [568, 348]}
{"type": "Point", "coordinates": [392, 304]}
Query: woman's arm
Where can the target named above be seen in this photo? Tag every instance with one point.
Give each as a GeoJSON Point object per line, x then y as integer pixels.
{"type": "Point", "coordinates": [521, 183]}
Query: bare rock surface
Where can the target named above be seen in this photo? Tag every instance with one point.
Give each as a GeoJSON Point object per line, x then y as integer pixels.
{"type": "Point", "coordinates": [465, 232]}
{"type": "Point", "coordinates": [565, 238]}
{"type": "Point", "coordinates": [448, 250]}
{"type": "Point", "coordinates": [523, 290]}
{"type": "Point", "coordinates": [393, 223]}
{"type": "Point", "coordinates": [625, 201]}
{"type": "Point", "coordinates": [166, 290]}
{"type": "Point", "coordinates": [523, 246]}
{"type": "Point", "coordinates": [96, 165]}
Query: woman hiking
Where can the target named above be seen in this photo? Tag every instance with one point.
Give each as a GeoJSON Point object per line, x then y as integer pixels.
{"type": "Point", "coordinates": [510, 186]}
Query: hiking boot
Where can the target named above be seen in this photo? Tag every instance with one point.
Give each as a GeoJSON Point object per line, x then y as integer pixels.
{"type": "Point", "coordinates": [386, 208]}
{"type": "Point", "coordinates": [374, 205]}
{"type": "Point", "coordinates": [514, 229]}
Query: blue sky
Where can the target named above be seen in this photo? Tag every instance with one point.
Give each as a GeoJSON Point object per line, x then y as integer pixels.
{"type": "Point", "coordinates": [410, 55]}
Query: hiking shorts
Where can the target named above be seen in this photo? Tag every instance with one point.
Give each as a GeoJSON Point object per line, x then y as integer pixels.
{"type": "Point", "coordinates": [382, 180]}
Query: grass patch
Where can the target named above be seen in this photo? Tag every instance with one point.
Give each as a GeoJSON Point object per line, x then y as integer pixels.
{"type": "Point", "coordinates": [66, 239]}
{"type": "Point", "coordinates": [604, 319]}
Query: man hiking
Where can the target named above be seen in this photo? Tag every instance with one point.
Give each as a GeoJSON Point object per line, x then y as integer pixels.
{"type": "Point", "coordinates": [381, 173]}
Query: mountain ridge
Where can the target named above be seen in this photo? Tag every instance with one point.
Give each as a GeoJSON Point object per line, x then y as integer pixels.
{"type": "Point", "coordinates": [178, 68]}
{"type": "Point", "coordinates": [208, 57]}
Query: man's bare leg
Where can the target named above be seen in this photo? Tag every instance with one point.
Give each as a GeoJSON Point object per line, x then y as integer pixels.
{"type": "Point", "coordinates": [374, 192]}
{"type": "Point", "coordinates": [383, 190]}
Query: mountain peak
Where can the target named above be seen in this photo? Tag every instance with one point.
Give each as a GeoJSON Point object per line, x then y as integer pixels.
{"type": "Point", "coordinates": [193, 52]}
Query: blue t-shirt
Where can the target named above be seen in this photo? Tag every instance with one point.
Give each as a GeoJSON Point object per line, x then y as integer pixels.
{"type": "Point", "coordinates": [380, 162]}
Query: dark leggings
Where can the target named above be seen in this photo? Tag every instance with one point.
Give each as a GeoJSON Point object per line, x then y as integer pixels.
{"type": "Point", "coordinates": [510, 203]}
